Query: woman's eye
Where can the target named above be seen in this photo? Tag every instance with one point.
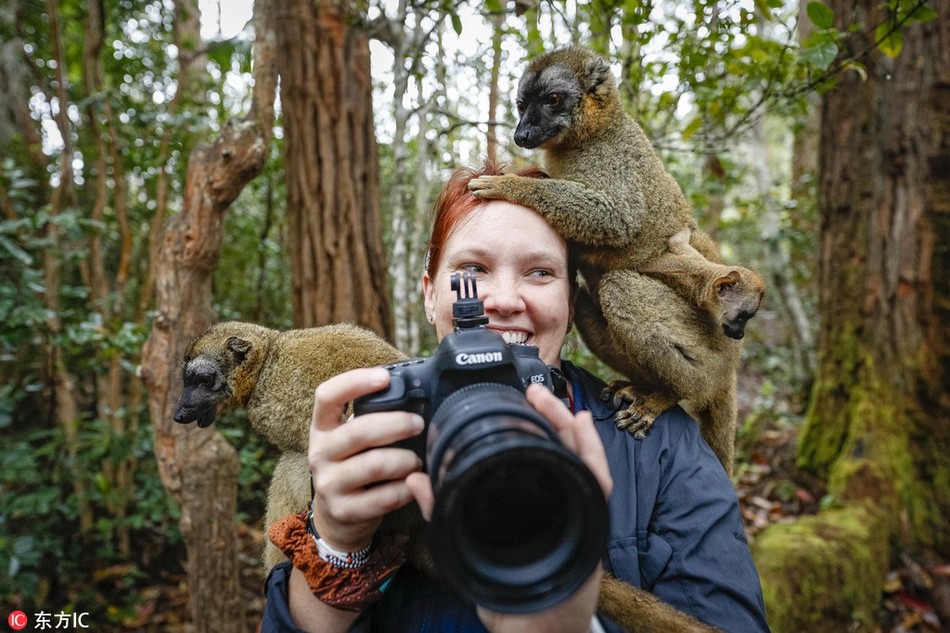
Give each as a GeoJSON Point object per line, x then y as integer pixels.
{"type": "Point", "coordinates": [541, 273]}
{"type": "Point", "coordinates": [471, 268]}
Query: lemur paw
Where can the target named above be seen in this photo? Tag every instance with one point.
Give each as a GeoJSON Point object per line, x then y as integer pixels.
{"type": "Point", "coordinates": [642, 410]}
{"type": "Point", "coordinates": [618, 392]}
{"type": "Point", "coordinates": [490, 187]}
{"type": "Point", "coordinates": [637, 419]}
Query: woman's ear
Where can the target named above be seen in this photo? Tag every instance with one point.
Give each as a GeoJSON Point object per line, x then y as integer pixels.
{"type": "Point", "coordinates": [427, 289]}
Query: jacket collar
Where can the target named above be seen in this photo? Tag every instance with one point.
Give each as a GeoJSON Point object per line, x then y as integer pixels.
{"type": "Point", "coordinates": [587, 388]}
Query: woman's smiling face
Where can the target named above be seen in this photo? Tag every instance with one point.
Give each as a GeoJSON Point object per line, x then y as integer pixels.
{"type": "Point", "coordinates": [520, 265]}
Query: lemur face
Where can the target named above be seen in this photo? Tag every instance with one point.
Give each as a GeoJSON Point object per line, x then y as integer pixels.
{"type": "Point", "coordinates": [547, 102]}
{"type": "Point", "coordinates": [205, 389]}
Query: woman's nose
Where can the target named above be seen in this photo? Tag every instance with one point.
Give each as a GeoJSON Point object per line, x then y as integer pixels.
{"type": "Point", "coordinates": [502, 297]}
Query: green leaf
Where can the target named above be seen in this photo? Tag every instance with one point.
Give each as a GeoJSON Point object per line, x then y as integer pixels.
{"type": "Point", "coordinates": [494, 6]}
{"type": "Point", "coordinates": [892, 41]}
{"type": "Point", "coordinates": [821, 55]}
{"type": "Point", "coordinates": [220, 52]}
{"type": "Point", "coordinates": [456, 23]}
{"type": "Point", "coordinates": [924, 13]}
{"type": "Point", "coordinates": [11, 247]}
{"type": "Point", "coordinates": [820, 15]}
{"type": "Point", "coordinates": [692, 128]}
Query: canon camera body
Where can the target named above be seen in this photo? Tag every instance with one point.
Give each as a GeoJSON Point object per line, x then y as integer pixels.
{"type": "Point", "coordinates": [519, 521]}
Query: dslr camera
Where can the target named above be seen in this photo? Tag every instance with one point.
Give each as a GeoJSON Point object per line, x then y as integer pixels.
{"type": "Point", "coordinates": [519, 521]}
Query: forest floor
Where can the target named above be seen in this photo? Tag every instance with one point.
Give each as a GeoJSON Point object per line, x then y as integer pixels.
{"type": "Point", "coordinates": [770, 490]}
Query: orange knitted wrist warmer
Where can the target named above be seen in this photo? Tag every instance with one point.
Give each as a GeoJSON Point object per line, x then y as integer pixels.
{"type": "Point", "coordinates": [349, 589]}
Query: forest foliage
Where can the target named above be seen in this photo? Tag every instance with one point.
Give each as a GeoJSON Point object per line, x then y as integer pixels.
{"type": "Point", "coordinates": [96, 129]}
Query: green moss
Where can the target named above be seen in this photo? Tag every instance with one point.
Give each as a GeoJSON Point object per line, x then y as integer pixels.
{"type": "Point", "coordinates": [827, 424]}
{"type": "Point", "coordinates": [819, 442]}
{"type": "Point", "coordinates": [823, 573]}
{"type": "Point", "coordinates": [928, 504]}
{"type": "Point", "coordinates": [886, 464]}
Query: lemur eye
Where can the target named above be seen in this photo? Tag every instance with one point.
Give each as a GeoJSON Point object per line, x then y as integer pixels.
{"type": "Point", "coordinates": [555, 98]}
{"type": "Point", "coordinates": [520, 105]}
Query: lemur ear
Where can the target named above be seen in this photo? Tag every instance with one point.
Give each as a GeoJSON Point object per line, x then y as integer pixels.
{"type": "Point", "coordinates": [596, 74]}
{"type": "Point", "coordinates": [724, 284]}
{"type": "Point", "coordinates": [239, 348]}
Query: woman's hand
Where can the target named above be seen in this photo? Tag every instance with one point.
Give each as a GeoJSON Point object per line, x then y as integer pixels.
{"type": "Point", "coordinates": [357, 475]}
{"type": "Point", "coordinates": [578, 434]}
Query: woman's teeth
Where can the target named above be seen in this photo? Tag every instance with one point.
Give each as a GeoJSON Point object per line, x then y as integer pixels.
{"type": "Point", "coordinates": [514, 337]}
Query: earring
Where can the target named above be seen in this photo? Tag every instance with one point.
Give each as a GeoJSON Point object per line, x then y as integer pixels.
{"type": "Point", "coordinates": [430, 318]}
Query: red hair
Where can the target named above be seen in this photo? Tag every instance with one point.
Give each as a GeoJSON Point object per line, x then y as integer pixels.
{"type": "Point", "coordinates": [456, 202]}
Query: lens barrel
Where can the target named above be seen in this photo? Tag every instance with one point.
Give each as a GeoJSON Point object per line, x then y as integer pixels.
{"type": "Point", "coordinates": [519, 521]}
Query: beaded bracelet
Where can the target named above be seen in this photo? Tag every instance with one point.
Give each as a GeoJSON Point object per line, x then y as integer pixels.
{"type": "Point", "coordinates": [343, 560]}
{"type": "Point", "coordinates": [351, 588]}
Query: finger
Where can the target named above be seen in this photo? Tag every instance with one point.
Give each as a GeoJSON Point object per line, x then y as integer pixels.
{"type": "Point", "coordinates": [421, 487]}
{"type": "Point", "coordinates": [368, 505]}
{"type": "Point", "coordinates": [332, 395]}
{"type": "Point", "coordinates": [365, 432]}
{"type": "Point", "coordinates": [547, 403]}
{"type": "Point", "coordinates": [369, 469]}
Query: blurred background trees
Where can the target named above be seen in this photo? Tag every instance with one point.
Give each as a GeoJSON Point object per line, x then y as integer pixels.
{"type": "Point", "coordinates": [111, 106]}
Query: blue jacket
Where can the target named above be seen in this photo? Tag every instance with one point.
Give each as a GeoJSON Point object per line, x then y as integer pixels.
{"type": "Point", "coordinates": [675, 530]}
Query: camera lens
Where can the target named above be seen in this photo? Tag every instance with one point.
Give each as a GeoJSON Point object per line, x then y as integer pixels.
{"type": "Point", "coordinates": [519, 521]}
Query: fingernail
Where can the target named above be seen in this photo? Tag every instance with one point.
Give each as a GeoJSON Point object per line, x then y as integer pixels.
{"type": "Point", "coordinates": [379, 376]}
{"type": "Point", "coordinates": [417, 422]}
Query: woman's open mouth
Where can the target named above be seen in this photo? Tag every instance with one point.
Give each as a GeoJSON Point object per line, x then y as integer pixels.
{"type": "Point", "coordinates": [514, 336]}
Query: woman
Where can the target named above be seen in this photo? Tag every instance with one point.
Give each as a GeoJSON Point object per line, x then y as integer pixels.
{"type": "Point", "coordinates": [675, 523]}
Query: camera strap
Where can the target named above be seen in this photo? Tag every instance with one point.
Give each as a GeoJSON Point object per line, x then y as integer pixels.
{"type": "Point", "coordinates": [559, 382]}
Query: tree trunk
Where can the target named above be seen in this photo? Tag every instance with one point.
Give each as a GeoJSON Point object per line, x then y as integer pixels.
{"type": "Point", "coordinates": [877, 425]}
{"type": "Point", "coordinates": [198, 467]}
{"type": "Point", "coordinates": [338, 264]}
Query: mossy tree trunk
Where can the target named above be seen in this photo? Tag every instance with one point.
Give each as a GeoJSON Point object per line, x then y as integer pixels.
{"type": "Point", "coordinates": [878, 428]}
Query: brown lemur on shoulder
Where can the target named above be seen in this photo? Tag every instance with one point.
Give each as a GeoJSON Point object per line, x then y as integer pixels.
{"type": "Point", "coordinates": [660, 307]}
{"type": "Point", "coordinates": [273, 376]}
